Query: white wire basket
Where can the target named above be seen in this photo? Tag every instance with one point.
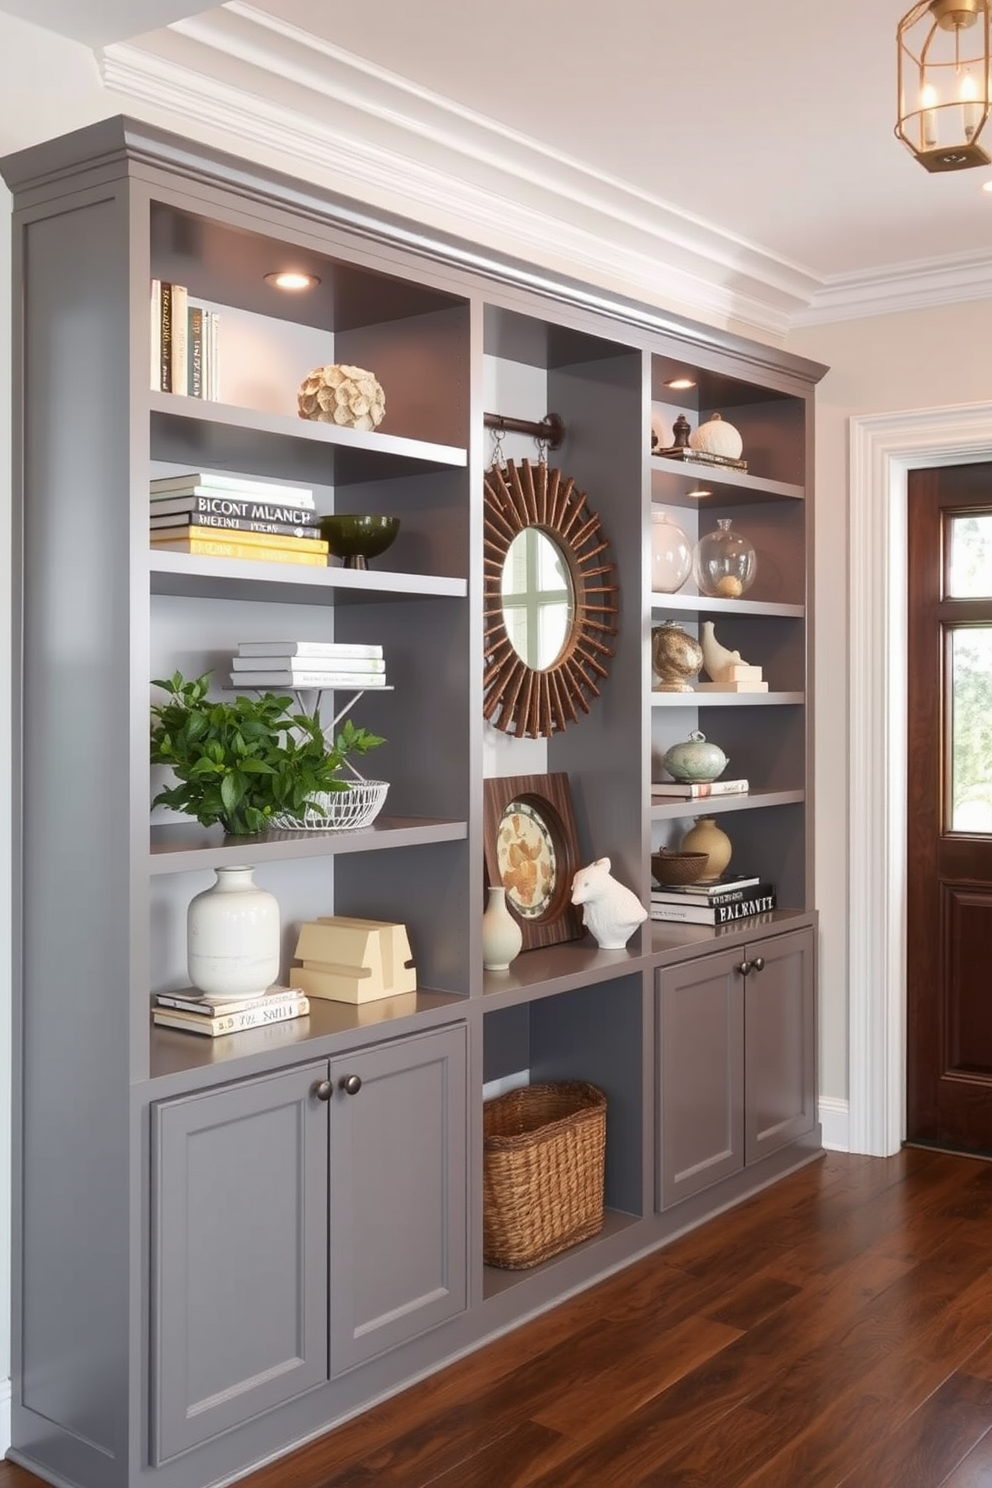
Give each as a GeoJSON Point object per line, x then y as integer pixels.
{"type": "Point", "coordinates": [340, 811]}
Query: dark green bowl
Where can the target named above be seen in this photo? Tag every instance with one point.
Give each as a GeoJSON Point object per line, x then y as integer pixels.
{"type": "Point", "coordinates": [356, 539]}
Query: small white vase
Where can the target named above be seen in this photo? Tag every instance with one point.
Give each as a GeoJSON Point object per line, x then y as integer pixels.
{"type": "Point", "coordinates": [501, 935]}
{"type": "Point", "coordinates": [232, 936]}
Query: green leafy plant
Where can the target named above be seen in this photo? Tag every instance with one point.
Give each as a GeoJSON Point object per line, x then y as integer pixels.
{"type": "Point", "coordinates": [247, 761]}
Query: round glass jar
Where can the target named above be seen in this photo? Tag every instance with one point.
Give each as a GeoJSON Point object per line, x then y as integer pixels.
{"type": "Point", "coordinates": [671, 554]}
{"type": "Point", "coordinates": [724, 562]}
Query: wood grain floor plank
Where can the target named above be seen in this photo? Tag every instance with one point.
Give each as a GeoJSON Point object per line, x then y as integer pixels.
{"type": "Point", "coordinates": [836, 1329]}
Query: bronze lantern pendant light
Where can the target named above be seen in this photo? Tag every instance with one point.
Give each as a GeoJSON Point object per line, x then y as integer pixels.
{"type": "Point", "coordinates": [944, 62]}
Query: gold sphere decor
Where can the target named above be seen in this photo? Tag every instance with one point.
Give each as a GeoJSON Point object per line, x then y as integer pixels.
{"type": "Point", "coordinates": [340, 394]}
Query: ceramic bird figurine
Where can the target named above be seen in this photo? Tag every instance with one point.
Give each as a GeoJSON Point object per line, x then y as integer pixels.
{"type": "Point", "coordinates": [717, 659]}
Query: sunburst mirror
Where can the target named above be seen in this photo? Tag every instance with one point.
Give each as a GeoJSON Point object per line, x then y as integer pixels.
{"type": "Point", "coordinates": [550, 602]}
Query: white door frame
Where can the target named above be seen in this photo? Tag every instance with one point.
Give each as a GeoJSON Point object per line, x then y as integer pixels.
{"type": "Point", "coordinates": [884, 448]}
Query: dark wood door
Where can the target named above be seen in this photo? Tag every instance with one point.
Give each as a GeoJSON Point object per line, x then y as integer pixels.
{"type": "Point", "coordinates": [949, 838]}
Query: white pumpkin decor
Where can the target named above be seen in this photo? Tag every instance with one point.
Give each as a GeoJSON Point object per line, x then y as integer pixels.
{"type": "Point", "coordinates": [717, 437]}
{"type": "Point", "coordinates": [340, 394]}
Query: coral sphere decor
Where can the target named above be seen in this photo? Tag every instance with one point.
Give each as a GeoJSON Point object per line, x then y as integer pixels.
{"type": "Point", "coordinates": [717, 437]}
{"type": "Point", "coordinates": [232, 936]}
{"type": "Point", "coordinates": [341, 394]}
{"type": "Point", "coordinates": [671, 554]}
{"type": "Point", "coordinates": [724, 562]}
{"type": "Point", "coordinates": [675, 656]}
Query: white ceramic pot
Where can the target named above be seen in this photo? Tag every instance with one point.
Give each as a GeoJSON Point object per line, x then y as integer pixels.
{"type": "Point", "coordinates": [232, 936]}
{"type": "Point", "coordinates": [501, 935]}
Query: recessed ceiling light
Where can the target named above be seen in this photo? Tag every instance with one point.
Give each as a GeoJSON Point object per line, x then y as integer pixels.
{"type": "Point", "coordinates": [987, 185]}
{"type": "Point", "coordinates": [698, 493]}
{"type": "Point", "coordinates": [680, 383]}
{"type": "Point", "coordinates": [292, 279]}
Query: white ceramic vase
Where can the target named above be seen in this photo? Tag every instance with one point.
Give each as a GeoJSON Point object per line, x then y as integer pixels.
{"type": "Point", "coordinates": [232, 936]}
{"type": "Point", "coordinates": [501, 935]}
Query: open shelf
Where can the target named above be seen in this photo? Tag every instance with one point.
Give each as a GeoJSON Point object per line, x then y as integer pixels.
{"type": "Point", "coordinates": [183, 847]}
{"type": "Point", "coordinates": [672, 481]}
{"type": "Point", "coordinates": [190, 576]}
{"type": "Point", "coordinates": [703, 604]}
{"type": "Point", "coordinates": [228, 437]}
{"type": "Point", "coordinates": [725, 699]}
{"type": "Point", "coordinates": [175, 1052]}
{"type": "Point", "coordinates": [670, 810]}
{"type": "Point", "coordinates": [496, 1281]}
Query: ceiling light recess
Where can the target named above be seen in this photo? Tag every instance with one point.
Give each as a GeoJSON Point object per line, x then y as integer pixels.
{"type": "Point", "coordinates": [680, 383]}
{"type": "Point", "coordinates": [292, 279]}
{"type": "Point", "coordinates": [945, 87]}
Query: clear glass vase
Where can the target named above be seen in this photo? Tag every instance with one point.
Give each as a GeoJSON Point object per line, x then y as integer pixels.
{"type": "Point", "coordinates": [724, 562]}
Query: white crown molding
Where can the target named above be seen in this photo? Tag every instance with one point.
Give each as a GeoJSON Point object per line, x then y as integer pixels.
{"type": "Point", "coordinates": [308, 106]}
{"type": "Point", "coordinates": [516, 195]}
{"type": "Point", "coordinates": [922, 284]}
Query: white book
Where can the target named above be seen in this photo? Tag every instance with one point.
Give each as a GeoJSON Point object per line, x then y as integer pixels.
{"type": "Point", "coordinates": [698, 789]}
{"type": "Point", "coordinates": [156, 335]}
{"type": "Point", "coordinates": [179, 375]}
{"type": "Point", "coordinates": [256, 1017]}
{"type": "Point", "coordinates": [248, 665]}
{"type": "Point", "coordinates": [212, 336]}
{"type": "Point", "coordinates": [212, 483]}
{"type": "Point", "coordinates": [189, 1000]}
{"type": "Point", "coordinates": [335, 649]}
{"type": "Point", "coordinates": [308, 679]}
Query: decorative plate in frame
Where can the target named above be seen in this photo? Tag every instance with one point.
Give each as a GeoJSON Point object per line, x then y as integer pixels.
{"type": "Point", "coordinates": [531, 848]}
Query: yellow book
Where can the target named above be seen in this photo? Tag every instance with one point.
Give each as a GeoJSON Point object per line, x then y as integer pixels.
{"type": "Point", "coordinates": [250, 539]}
{"type": "Point", "coordinates": [209, 547]}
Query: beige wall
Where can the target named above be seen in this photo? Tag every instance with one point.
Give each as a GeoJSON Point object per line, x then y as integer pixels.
{"type": "Point", "coordinates": [886, 364]}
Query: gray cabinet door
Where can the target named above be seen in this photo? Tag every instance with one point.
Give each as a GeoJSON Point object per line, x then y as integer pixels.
{"type": "Point", "coordinates": [700, 1076]}
{"type": "Point", "coordinates": [779, 1043]}
{"type": "Point", "coordinates": [239, 1247]}
{"type": "Point", "coordinates": [398, 1193]}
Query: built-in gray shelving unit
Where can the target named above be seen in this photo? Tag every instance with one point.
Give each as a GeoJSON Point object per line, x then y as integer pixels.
{"type": "Point", "coordinates": [213, 1261]}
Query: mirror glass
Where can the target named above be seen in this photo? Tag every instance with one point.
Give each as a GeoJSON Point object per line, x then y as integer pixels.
{"type": "Point", "coordinates": [538, 598]}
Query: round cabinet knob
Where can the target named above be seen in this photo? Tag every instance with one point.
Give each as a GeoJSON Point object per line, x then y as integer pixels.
{"type": "Point", "coordinates": [743, 967]}
{"type": "Point", "coordinates": [350, 1084]}
{"type": "Point", "coordinates": [758, 963]}
{"type": "Point", "coordinates": [323, 1090]}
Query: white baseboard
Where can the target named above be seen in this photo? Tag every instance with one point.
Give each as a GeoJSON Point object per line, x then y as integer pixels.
{"type": "Point", "coordinates": [835, 1124]}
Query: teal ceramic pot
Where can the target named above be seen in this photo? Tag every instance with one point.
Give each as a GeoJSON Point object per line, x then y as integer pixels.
{"type": "Point", "coordinates": [696, 761]}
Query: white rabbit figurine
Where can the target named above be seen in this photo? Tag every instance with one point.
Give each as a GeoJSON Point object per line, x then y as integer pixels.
{"type": "Point", "coordinates": [609, 910]}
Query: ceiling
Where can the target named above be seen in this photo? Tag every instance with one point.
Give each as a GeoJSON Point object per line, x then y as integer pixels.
{"type": "Point", "coordinates": [745, 151]}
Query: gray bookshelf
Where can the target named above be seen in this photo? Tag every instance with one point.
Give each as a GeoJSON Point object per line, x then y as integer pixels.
{"type": "Point", "coordinates": [212, 1262]}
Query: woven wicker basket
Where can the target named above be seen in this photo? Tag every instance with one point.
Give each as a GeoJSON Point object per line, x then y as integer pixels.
{"type": "Point", "coordinates": [544, 1149]}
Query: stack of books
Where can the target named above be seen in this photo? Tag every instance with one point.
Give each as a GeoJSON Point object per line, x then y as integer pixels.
{"type": "Point", "coordinates": [229, 516]}
{"type": "Point", "coordinates": [308, 664]}
{"type": "Point", "coordinates": [184, 340]}
{"type": "Point", "coordinates": [732, 897]}
{"type": "Point", "coordinates": [697, 790]}
{"type": "Point", "coordinates": [195, 1012]}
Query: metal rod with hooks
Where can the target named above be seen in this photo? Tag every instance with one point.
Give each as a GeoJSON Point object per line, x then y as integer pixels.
{"type": "Point", "coordinates": [550, 430]}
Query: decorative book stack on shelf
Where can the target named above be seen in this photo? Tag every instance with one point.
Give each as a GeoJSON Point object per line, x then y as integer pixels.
{"type": "Point", "coordinates": [729, 898]}
{"type": "Point", "coordinates": [185, 351]}
{"type": "Point", "coordinates": [698, 789]}
{"type": "Point", "coordinates": [308, 664]}
{"type": "Point", "coordinates": [195, 1012]}
{"type": "Point", "coordinates": [228, 516]}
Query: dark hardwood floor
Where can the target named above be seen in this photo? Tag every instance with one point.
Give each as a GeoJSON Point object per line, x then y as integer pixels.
{"type": "Point", "coordinates": [837, 1329]}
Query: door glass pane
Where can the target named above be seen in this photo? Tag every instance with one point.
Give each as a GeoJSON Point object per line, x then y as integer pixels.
{"type": "Point", "coordinates": [970, 569]}
{"type": "Point", "coordinates": [970, 729]}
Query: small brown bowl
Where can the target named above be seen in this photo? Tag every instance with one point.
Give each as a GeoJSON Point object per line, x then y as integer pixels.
{"type": "Point", "coordinates": [678, 867]}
